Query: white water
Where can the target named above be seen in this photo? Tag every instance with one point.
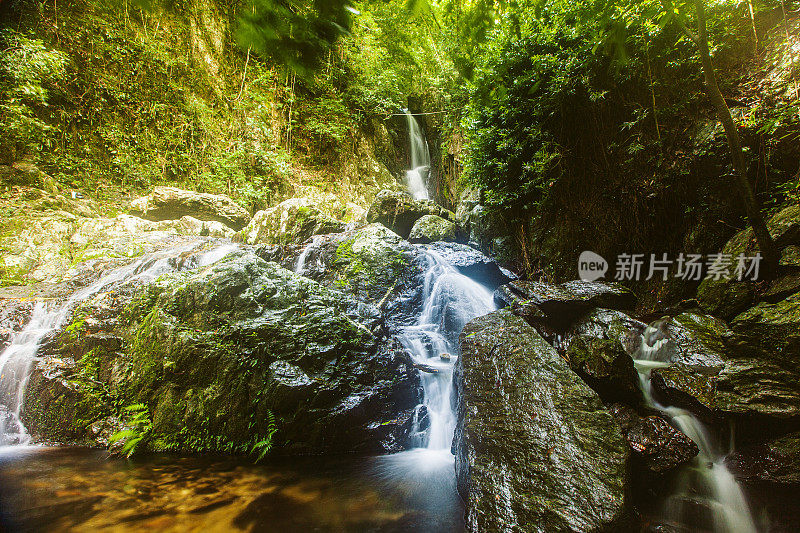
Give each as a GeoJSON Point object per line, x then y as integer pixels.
{"type": "Point", "coordinates": [420, 160]}
{"type": "Point", "coordinates": [300, 265]}
{"type": "Point", "coordinates": [707, 479]}
{"type": "Point", "coordinates": [451, 299]}
{"type": "Point", "coordinates": [18, 357]}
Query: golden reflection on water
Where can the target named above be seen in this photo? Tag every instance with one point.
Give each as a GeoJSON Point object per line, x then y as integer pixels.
{"type": "Point", "coordinates": [61, 489]}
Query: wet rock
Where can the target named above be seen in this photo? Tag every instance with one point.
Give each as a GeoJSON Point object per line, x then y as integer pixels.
{"type": "Point", "coordinates": [292, 221]}
{"type": "Point", "coordinates": [564, 303]}
{"type": "Point", "coordinates": [432, 228]}
{"type": "Point", "coordinates": [776, 461]}
{"type": "Point", "coordinates": [170, 203]}
{"type": "Point", "coordinates": [473, 263]}
{"type": "Point", "coordinates": [691, 387]}
{"type": "Point", "coordinates": [657, 444]}
{"type": "Point", "coordinates": [372, 263]}
{"type": "Point", "coordinates": [398, 211]}
{"type": "Point", "coordinates": [727, 297]}
{"type": "Point", "coordinates": [210, 351]}
{"type": "Point", "coordinates": [782, 287]}
{"type": "Point", "coordinates": [606, 367]}
{"type": "Point", "coordinates": [535, 448]}
{"type": "Point", "coordinates": [759, 388]}
{"type": "Point", "coordinates": [701, 340]}
{"type": "Point", "coordinates": [609, 324]}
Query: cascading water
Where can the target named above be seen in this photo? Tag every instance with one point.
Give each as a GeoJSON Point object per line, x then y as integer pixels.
{"type": "Point", "coordinates": [707, 479]}
{"type": "Point", "coordinates": [420, 160]}
{"type": "Point", "coordinates": [451, 299]}
{"type": "Point", "coordinates": [18, 357]}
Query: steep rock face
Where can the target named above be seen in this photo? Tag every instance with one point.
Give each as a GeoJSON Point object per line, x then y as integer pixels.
{"type": "Point", "coordinates": [211, 351]}
{"type": "Point", "coordinates": [170, 203]}
{"type": "Point", "coordinates": [727, 297]}
{"type": "Point", "coordinates": [535, 448]}
{"type": "Point", "coordinates": [292, 221]}
{"type": "Point", "coordinates": [398, 211]}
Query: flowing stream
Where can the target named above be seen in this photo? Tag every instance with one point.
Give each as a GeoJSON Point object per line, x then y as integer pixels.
{"type": "Point", "coordinates": [420, 160]}
{"type": "Point", "coordinates": [707, 481]}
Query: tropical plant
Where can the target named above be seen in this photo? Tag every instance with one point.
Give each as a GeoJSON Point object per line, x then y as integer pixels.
{"type": "Point", "coordinates": [264, 445]}
{"type": "Point", "coordinates": [135, 435]}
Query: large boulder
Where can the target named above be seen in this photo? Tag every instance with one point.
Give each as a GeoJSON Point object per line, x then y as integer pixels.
{"type": "Point", "coordinates": [606, 367]}
{"type": "Point", "coordinates": [432, 228]}
{"type": "Point", "coordinates": [371, 263]}
{"type": "Point", "coordinates": [398, 211]}
{"type": "Point", "coordinates": [716, 371]}
{"type": "Point", "coordinates": [170, 203]}
{"type": "Point", "coordinates": [212, 351]}
{"type": "Point", "coordinates": [565, 302]}
{"type": "Point", "coordinates": [608, 324]}
{"type": "Point", "coordinates": [772, 329]}
{"type": "Point", "coordinates": [292, 221]}
{"type": "Point", "coordinates": [535, 448]}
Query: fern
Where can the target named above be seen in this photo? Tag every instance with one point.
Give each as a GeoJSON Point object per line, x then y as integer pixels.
{"type": "Point", "coordinates": [263, 446]}
{"type": "Point", "coordinates": [138, 430]}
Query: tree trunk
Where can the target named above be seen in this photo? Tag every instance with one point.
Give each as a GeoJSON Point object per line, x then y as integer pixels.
{"type": "Point", "coordinates": [751, 204]}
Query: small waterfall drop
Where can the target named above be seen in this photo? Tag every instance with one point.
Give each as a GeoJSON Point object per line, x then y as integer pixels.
{"type": "Point", "coordinates": [16, 361]}
{"type": "Point", "coordinates": [707, 478]}
{"type": "Point", "coordinates": [416, 177]}
{"type": "Point", "coordinates": [451, 299]}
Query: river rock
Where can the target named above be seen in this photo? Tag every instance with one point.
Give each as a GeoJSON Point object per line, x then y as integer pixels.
{"type": "Point", "coordinates": [292, 221]}
{"type": "Point", "coordinates": [776, 461]}
{"type": "Point", "coordinates": [432, 228]}
{"type": "Point", "coordinates": [170, 203]}
{"type": "Point", "coordinates": [609, 324]}
{"type": "Point", "coordinates": [564, 303]}
{"type": "Point", "coordinates": [372, 263]}
{"type": "Point", "coordinates": [398, 211]}
{"type": "Point", "coordinates": [657, 444]}
{"type": "Point", "coordinates": [606, 367]}
{"type": "Point", "coordinates": [211, 350]}
{"type": "Point", "coordinates": [535, 448]}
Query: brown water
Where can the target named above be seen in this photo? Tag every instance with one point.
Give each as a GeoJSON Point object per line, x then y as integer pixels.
{"type": "Point", "coordinates": [74, 489]}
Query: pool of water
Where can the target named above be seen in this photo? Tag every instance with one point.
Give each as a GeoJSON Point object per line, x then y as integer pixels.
{"type": "Point", "coordinates": [76, 489]}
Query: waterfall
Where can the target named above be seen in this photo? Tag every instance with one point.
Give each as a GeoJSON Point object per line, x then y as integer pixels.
{"type": "Point", "coordinates": [16, 361]}
{"type": "Point", "coordinates": [707, 478]}
{"type": "Point", "coordinates": [451, 299]}
{"type": "Point", "coordinates": [416, 177]}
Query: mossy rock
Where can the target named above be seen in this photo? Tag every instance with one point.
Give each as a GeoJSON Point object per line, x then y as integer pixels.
{"type": "Point", "coordinates": [432, 228]}
{"type": "Point", "coordinates": [536, 450]}
{"type": "Point", "coordinates": [292, 221]}
{"type": "Point", "coordinates": [727, 297]}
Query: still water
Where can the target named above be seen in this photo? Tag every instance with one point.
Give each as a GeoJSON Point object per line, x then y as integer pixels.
{"type": "Point", "coordinates": [76, 489]}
